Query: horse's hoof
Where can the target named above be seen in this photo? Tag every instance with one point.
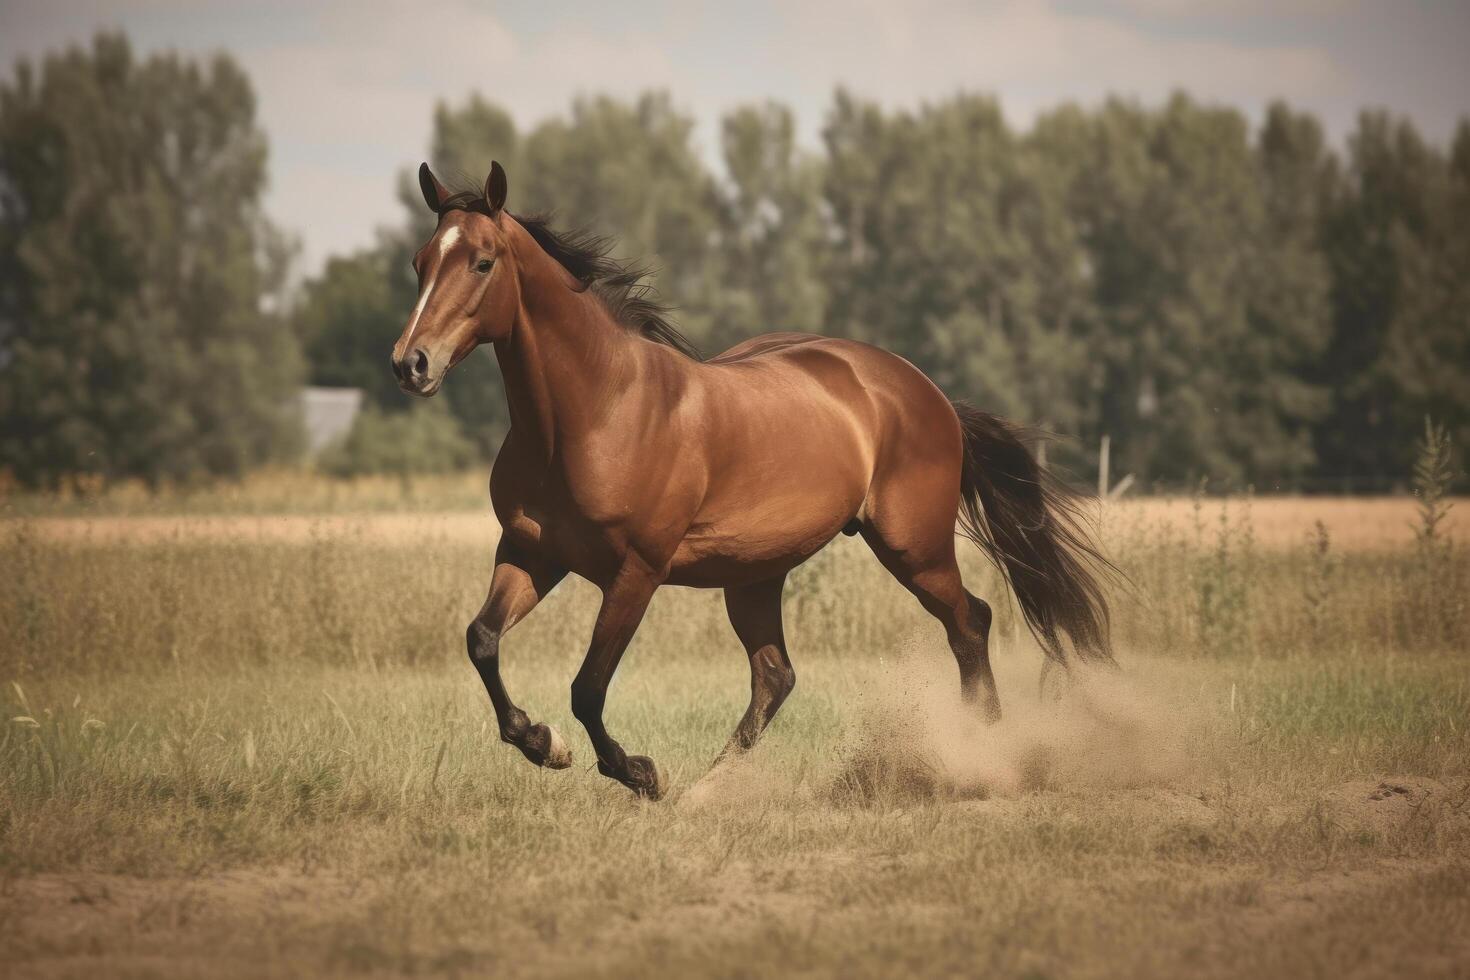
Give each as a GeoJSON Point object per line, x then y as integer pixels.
{"type": "Point", "coordinates": [558, 753]}
{"type": "Point", "coordinates": [543, 745]}
{"type": "Point", "coordinates": [644, 779]}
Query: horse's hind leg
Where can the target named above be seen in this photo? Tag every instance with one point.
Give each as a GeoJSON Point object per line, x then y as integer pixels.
{"type": "Point", "coordinates": [920, 554]}
{"type": "Point", "coordinates": [755, 612]}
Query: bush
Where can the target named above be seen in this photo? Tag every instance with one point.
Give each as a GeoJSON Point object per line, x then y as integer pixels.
{"type": "Point", "coordinates": [424, 439]}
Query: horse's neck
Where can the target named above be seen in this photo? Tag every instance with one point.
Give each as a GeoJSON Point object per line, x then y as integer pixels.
{"type": "Point", "coordinates": [565, 358]}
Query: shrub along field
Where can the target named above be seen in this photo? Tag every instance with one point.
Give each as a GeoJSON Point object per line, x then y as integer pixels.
{"type": "Point", "coordinates": [236, 752]}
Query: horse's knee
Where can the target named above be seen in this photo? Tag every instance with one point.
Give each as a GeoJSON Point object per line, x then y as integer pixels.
{"type": "Point", "coordinates": [482, 642]}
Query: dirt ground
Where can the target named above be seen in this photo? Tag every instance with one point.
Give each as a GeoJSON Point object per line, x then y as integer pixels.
{"type": "Point", "coordinates": [246, 922]}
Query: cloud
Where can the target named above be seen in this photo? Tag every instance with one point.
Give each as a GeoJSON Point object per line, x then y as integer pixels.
{"type": "Point", "coordinates": [1238, 8]}
{"type": "Point", "coordinates": [1035, 55]}
{"type": "Point", "coordinates": [352, 95]}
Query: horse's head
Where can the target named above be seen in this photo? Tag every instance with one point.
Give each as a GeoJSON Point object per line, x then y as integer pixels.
{"type": "Point", "coordinates": [468, 289]}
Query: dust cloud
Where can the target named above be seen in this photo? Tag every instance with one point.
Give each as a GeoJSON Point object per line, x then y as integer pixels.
{"type": "Point", "coordinates": [909, 735]}
{"type": "Point", "coordinates": [1077, 728]}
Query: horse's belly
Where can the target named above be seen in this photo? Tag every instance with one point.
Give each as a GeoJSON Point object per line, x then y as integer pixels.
{"type": "Point", "coordinates": [707, 565]}
{"type": "Point", "coordinates": [761, 537]}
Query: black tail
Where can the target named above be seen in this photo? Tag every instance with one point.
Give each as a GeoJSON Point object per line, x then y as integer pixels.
{"type": "Point", "coordinates": [1028, 523]}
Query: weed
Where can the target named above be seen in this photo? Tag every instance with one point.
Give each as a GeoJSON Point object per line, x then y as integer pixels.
{"type": "Point", "coordinates": [1318, 585]}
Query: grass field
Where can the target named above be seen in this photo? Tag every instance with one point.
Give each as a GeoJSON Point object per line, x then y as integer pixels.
{"type": "Point", "coordinates": [252, 745]}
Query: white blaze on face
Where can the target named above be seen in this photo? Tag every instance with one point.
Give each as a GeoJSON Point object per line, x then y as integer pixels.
{"type": "Point", "coordinates": [446, 242]}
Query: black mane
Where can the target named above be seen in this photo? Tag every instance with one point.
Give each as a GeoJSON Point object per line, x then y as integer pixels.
{"type": "Point", "coordinates": [623, 287]}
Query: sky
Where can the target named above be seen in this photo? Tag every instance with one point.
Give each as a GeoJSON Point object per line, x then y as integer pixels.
{"type": "Point", "coordinates": [346, 90]}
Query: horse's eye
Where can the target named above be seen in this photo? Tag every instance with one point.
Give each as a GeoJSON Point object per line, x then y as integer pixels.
{"type": "Point", "coordinates": [483, 265]}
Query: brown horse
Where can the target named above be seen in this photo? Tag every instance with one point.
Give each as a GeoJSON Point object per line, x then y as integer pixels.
{"type": "Point", "coordinates": [634, 464]}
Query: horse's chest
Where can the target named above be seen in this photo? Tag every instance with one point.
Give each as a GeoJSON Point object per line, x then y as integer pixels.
{"type": "Point", "coordinates": [554, 526]}
{"type": "Point", "coordinates": [593, 505]}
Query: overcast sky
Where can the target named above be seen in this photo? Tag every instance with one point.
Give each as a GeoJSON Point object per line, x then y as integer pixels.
{"type": "Point", "coordinates": [346, 89]}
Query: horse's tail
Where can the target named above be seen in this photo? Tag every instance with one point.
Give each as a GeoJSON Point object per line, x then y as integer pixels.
{"type": "Point", "coordinates": [1028, 523]}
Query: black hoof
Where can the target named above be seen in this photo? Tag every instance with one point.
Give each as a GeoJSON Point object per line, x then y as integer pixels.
{"type": "Point", "coordinates": [543, 746]}
{"type": "Point", "coordinates": [644, 779]}
{"type": "Point", "coordinates": [638, 774]}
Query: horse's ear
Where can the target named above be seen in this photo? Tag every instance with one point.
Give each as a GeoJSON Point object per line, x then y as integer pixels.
{"type": "Point", "coordinates": [434, 192]}
{"type": "Point", "coordinates": [495, 187]}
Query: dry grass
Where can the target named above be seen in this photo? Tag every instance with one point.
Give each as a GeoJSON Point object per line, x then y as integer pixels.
{"type": "Point", "coordinates": [1284, 523]}
{"type": "Point", "coordinates": [266, 755]}
{"type": "Point", "coordinates": [264, 492]}
{"type": "Point", "coordinates": [288, 505]}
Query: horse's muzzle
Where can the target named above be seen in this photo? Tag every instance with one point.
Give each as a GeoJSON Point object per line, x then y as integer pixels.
{"type": "Point", "coordinates": [412, 371]}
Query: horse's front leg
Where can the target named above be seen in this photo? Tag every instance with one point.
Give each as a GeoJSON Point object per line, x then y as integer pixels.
{"type": "Point", "coordinates": [623, 605]}
{"type": "Point", "coordinates": [517, 585]}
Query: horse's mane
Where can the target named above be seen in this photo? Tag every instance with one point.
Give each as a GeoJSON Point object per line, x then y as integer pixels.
{"type": "Point", "coordinates": [622, 287]}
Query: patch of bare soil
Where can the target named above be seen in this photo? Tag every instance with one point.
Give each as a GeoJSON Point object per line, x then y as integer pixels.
{"type": "Point", "coordinates": [1284, 922]}
{"type": "Point", "coordinates": [1162, 806]}
{"type": "Point", "coordinates": [65, 919]}
{"type": "Point", "coordinates": [742, 781]}
{"type": "Point", "coordinates": [1253, 910]}
{"type": "Point", "coordinates": [75, 924]}
{"type": "Point", "coordinates": [1283, 902]}
{"type": "Point", "coordinates": [1397, 803]}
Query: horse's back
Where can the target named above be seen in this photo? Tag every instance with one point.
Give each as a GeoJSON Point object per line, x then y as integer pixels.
{"type": "Point", "coordinates": [765, 343]}
{"type": "Point", "coordinates": [906, 423]}
{"type": "Point", "coordinates": [893, 391]}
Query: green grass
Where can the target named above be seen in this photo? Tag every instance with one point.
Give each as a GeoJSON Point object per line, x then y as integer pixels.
{"type": "Point", "coordinates": [269, 758]}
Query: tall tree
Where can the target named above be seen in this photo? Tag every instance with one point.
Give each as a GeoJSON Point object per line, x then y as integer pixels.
{"type": "Point", "coordinates": [1426, 355]}
{"type": "Point", "coordinates": [1221, 302]}
{"type": "Point", "coordinates": [953, 249]}
{"type": "Point", "coordinates": [134, 267]}
{"type": "Point", "coordinates": [630, 170]}
{"type": "Point", "coordinates": [772, 240]}
{"type": "Point", "coordinates": [1288, 306]}
{"type": "Point", "coordinates": [463, 141]}
{"type": "Point", "coordinates": [1195, 265]}
{"type": "Point", "coordinates": [1397, 244]}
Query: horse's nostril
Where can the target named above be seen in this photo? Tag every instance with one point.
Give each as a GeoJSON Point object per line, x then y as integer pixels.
{"type": "Point", "coordinates": [419, 363]}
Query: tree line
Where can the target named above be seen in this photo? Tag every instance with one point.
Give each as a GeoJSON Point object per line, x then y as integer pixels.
{"type": "Point", "coordinates": [1224, 299]}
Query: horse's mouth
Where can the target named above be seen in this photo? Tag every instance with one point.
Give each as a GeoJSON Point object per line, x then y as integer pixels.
{"type": "Point", "coordinates": [427, 390]}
